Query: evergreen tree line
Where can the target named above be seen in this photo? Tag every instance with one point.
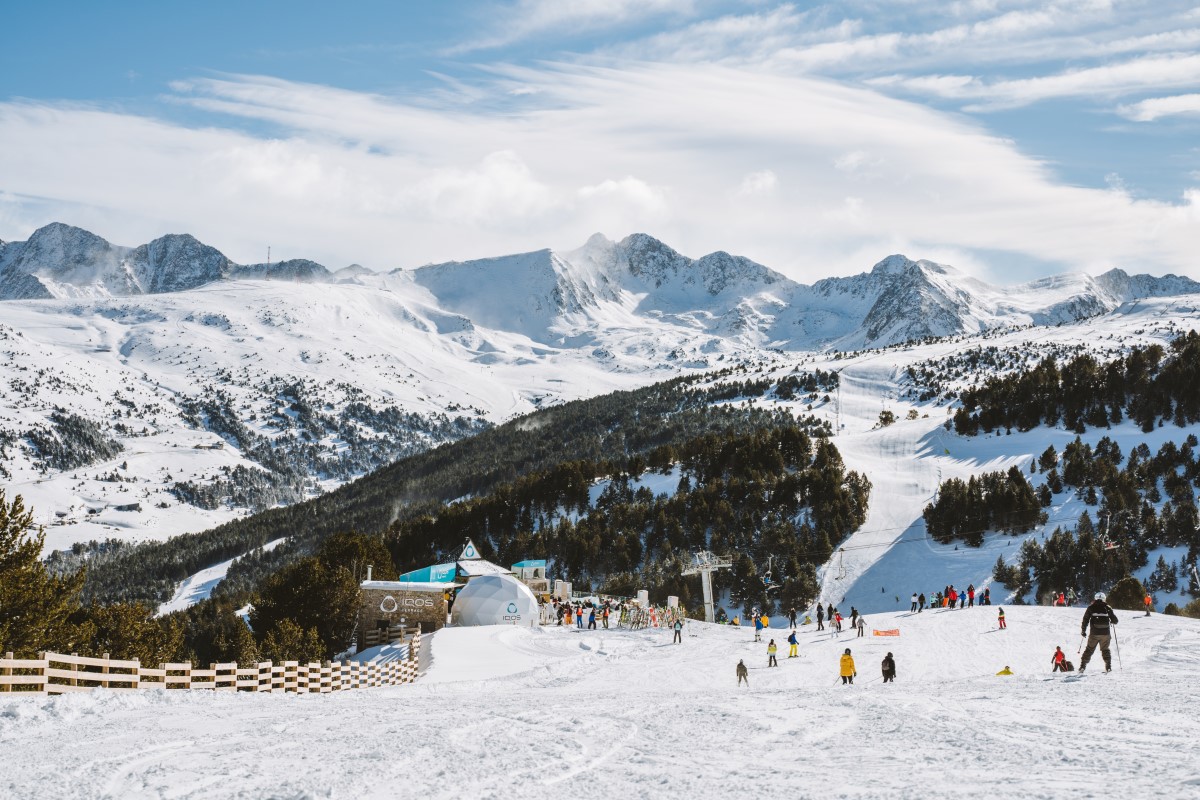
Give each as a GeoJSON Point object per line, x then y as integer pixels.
{"type": "Point", "coordinates": [612, 426]}
{"type": "Point", "coordinates": [994, 501]}
{"type": "Point", "coordinates": [1144, 502]}
{"type": "Point", "coordinates": [773, 497]}
{"type": "Point", "coordinates": [1149, 385]}
{"type": "Point", "coordinates": [305, 611]}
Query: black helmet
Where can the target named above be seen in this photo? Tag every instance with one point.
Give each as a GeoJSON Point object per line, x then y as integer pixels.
{"type": "Point", "coordinates": [847, 651]}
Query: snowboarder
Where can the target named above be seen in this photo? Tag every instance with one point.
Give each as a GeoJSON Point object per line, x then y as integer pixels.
{"type": "Point", "coordinates": [862, 625]}
{"type": "Point", "coordinates": [1100, 616]}
{"type": "Point", "coordinates": [914, 603]}
{"type": "Point", "coordinates": [889, 668]}
{"type": "Point", "coordinates": [792, 618]}
{"type": "Point", "coordinates": [1005, 671]}
{"type": "Point", "coordinates": [743, 673]}
{"type": "Point", "coordinates": [758, 626]}
{"type": "Point", "coordinates": [921, 603]}
{"type": "Point", "coordinates": [678, 631]}
{"type": "Point", "coordinates": [771, 651]}
{"type": "Point", "coordinates": [1059, 660]}
{"type": "Point", "coordinates": [820, 617]}
{"type": "Point", "coordinates": [1149, 603]}
{"type": "Point", "coordinates": [847, 668]}
{"type": "Point", "coordinates": [1000, 619]}
{"type": "Point", "coordinates": [792, 643]}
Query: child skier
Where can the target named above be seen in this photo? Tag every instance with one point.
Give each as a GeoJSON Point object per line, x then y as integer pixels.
{"type": "Point", "coordinates": [1000, 619]}
{"type": "Point", "coordinates": [771, 651]}
{"type": "Point", "coordinates": [742, 673]}
{"type": "Point", "coordinates": [1059, 660]}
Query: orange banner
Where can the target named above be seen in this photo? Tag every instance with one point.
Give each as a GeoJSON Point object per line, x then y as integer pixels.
{"type": "Point", "coordinates": [892, 632]}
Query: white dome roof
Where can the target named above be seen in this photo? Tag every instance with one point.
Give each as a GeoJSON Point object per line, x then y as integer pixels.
{"type": "Point", "coordinates": [494, 600]}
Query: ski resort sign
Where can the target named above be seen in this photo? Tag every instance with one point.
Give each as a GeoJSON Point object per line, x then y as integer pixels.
{"type": "Point", "coordinates": [386, 603]}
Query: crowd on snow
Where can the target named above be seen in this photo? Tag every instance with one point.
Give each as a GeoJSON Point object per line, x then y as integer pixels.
{"type": "Point", "coordinates": [1099, 617]}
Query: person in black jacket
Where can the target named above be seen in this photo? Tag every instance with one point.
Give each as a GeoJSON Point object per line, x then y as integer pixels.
{"type": "Point", "coordinates": [1101, 617]}
{"type": "Point", "coordinates": [889, 668]}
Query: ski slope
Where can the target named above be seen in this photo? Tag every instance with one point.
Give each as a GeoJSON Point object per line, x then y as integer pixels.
{"type": "Point", "coordinates": [506, 712]}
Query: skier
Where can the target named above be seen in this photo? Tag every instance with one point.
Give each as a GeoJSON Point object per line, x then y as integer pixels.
{"type": "Point", "coordinates": [820, 617]}
{"type": "Point", "coordinates": [971, 596]}
{"type": "Point", "coordinates": [853, 617]}
{"type": "Point", "coordinates": [921, 603]}
{"type": "Point", "coordinates": [771, 651]}
{"type": "Point", "coordinates": [1060, 660]}
{"type": "Point", "coordinates": [837, 619]}
{"type": "Point", "coordinates": [1149, 603]}
{"type": "Point", "coordinates": [579, 617]}
{"type": "Point", "coordinates": [1005, 671]}
{"type": "Point", "coordinates": [1000, 619]}
{"type": "Point", "coordinates": [743, 674]}
{"type": "Point", "coordinates": [604, 616]}
{"type": "Point", "coordinates": [1100, 616]}
{"type": "Point", "coordinates": [592, 618]}
{"type": "Point", "coordinates": [758, 626]}
{"type": "Point", "coordinates": [862, 625]}
{"type": "Point", "coordinates": [914, 603]}
{"type": "Point", "coordinates": [792, 643]}
{"type": "Point", "coordinates": [1071, 598]}
{"type": "Point", "coordinates": [847, 668]}
{"type": "Point", "coordinates": [987, 596]}
{"type": "Point", "coordinates": [829, 613]}
{"type": "Point", "coordinates": [962, 599]}
{"type": "Point", "coordinates": [889, 668]}
{"type": "Point", "coordinates": [792, 618]}
{"type": "Point", "coordinates": [678, 631]}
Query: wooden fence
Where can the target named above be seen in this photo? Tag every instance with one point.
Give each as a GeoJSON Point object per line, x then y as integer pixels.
{"type": "Point", "coordinates": [55, 673]}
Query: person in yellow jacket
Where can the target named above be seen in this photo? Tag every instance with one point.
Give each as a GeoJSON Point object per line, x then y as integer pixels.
{"type": "Point", "coordinates": [771, 651]}
{"type": "Point", "coordinates": [1005, 671]}
{"type": "Point", "coordinates": [848, 670]}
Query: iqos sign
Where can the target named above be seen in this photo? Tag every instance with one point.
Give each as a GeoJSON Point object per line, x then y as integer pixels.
{"type": "Point", "coordinates": [390, 604]}
{"type": "Point", "coordinates": [512, 615]}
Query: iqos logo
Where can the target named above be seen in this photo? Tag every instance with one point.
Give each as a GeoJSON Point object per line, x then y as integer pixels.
{"type": "Point", "coordinates": [512, 608]}
{"type": "Point", "coordinates": [390, 604]}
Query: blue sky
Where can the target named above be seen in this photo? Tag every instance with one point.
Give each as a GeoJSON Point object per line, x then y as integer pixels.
{"type": "Point", "coordinates": [1010, 138]}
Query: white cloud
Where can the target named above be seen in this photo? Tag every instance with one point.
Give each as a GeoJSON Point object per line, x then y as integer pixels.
{"type": "Point", "coordinates": [528, 18]}
{"type": "Point", "coordinates": [764, 181]}
{"type": "Point", "coordinates": [1159, 107]}
{"type": "Point", "coordinates": [358, 177]}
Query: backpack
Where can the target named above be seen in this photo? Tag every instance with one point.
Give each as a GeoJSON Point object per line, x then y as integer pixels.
{"type": "Point", "coordinates": [1068, 666]}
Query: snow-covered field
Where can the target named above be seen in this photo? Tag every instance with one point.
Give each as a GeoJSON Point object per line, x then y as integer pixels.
{"type": "Point", "coordinates": [504, 712]}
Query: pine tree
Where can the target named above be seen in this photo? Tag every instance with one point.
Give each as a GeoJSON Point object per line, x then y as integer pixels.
{"type": "Point", "coordinates": [35, 607]}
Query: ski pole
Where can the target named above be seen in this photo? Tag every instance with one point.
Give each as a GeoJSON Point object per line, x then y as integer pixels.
{"type": "Point", "coordinates": [1118, 644]}
{"type": "Point", "coordinates": [1082, 639]}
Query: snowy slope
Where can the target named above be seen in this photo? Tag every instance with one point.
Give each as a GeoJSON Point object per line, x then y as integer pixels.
{"type": "Point", "coordinates": [504, 712]}
{"type": "Point", "coordinates": [200, 586]}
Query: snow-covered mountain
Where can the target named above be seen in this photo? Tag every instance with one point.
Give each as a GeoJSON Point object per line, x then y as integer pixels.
{"type": "Point", "coordinates": [63, 261]}
{"type": "Point", "coordinates": [170, 381]}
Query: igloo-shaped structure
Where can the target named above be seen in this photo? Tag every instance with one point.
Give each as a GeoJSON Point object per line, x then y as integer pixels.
{"type": "Point", "coordinates": [494, 600]}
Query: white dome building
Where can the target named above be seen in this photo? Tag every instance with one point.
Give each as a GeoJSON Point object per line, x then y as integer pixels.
{"type": "Point", "coordinates": [494, 600]}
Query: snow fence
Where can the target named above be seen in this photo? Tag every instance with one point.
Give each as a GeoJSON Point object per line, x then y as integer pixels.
{"type": "Point", "coordinates": [56, 673]}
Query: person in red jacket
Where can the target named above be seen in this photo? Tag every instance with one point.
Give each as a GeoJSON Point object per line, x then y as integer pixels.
{"type": "Point", "coordinates": [1060, 659]}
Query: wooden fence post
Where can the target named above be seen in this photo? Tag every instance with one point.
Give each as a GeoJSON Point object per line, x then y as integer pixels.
{"type": "Point", "coordinates": [104, 671]}
{"type": "Point", "coordinates": [5, 672]}
{"type": "Point", "coordinates": [74, 668]}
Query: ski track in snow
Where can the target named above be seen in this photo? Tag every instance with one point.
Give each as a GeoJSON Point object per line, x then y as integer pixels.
{"type": "Point", "coordinates": [504, 712]}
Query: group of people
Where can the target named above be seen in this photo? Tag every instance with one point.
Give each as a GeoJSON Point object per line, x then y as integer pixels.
{"type": "Point", "coordinates": [1098, 620]}
{"type": "Point", "coordinates": [857, 621]}
{"type": "Point", "coordinates": [847, 670]}
{"type": "Point", "coordinates": [951, 597]}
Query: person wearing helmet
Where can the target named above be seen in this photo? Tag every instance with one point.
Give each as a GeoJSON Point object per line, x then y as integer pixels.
{"type": "Point", "coordinates": [1100, 617]}
{"type": "Point", "coordinates": [847, 667]}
